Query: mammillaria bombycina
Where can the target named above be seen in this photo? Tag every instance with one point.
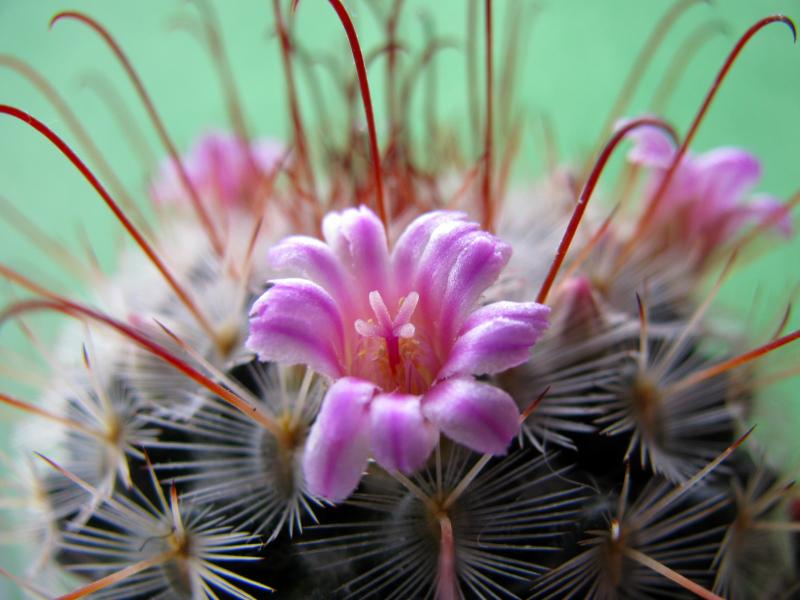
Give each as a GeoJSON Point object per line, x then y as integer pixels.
{"type": "Point", "coordinates": [350, 351]}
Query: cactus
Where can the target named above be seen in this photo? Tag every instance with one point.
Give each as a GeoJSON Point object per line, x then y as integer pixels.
{"type": "Point", "coordinates": [369, 362]}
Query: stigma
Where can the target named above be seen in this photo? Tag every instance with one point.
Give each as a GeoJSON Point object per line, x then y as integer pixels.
{"type": "Point", "coordinates": [392, 357]}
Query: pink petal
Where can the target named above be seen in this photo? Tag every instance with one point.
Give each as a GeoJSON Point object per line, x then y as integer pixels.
{"type": "Point", "coordinates": [725, 175]}
{"type": "Point", "coordinates": [219, 167]}
{"type": "Point", "coordinates": [436, 263]}
{"type": "Point", "coordinates": [681, 193]}
{"type": "Point", "coordinates": [476, 414]}
{"type": "Point", "coordinates": [655, 149]}
{"type": "Point", "coordinates": [477, 267]}
{"type": "Point", "coordinates": [771, 211]}
{"type": "Point", "coordinates": [652, 147]}
{"type": "Point", "coordinates": [297, 322]}
{"type": "Point", "coordinates": [402, 439]}
{"type": "Point", "coordinates": [762, 210]}
{"type": "Point", "coordinates": [268, 154]}
{"type": "Point", "coordinates": [358, 239]}
{"type": "Point", "coordinates": [457, 264]}
{"type": "Point", "coordinates": [315, 260]}
{"type": "Point", "coordinates": [216, 166]}
{"type": "Point", "coordinates": [496, 337]}
{"type": "Point", "coordinates": [414, 239]}
{"type": "Point", "coordinates": [337, 448]}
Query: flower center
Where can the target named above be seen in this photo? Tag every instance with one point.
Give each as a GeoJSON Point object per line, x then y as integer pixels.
{"type": "Point", "coordinates": [390, 362]}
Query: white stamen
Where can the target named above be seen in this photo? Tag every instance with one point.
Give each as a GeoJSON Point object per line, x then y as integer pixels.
{"type": "Point", "coordinates": [383, 325]}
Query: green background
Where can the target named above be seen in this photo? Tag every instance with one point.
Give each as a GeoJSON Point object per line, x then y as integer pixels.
{"type": "Point", "coordinates": [577, 55]}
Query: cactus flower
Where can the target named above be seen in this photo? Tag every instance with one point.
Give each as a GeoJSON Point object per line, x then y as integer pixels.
{"type": "Point", "coordinates": [401, 336]}
{"type": "Point", "coordinates": [219, 167]}
{"type": "Point", "coordinates": [703, 201]}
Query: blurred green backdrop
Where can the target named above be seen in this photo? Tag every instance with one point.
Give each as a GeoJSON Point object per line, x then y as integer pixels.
{"type": "Point", "coordinates": [576, 56]}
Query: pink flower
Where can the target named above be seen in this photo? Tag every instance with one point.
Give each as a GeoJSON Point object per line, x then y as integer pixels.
{"type": "Point", "coordinates": [400, 336]}
{"type": "Point", "coordinates": [703, 200]}
{"type": "Point", "coordinates": [219, 167]}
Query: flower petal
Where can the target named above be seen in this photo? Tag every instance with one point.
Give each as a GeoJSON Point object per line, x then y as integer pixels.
{"type": "Point", "coordinates": [496, 337]}
{"type": "Point", "coordinates": [337, 448]}
{"type": "Point", "coordinates": [772, 211]}
{"type": "Point", "coordinates": [652, 147]}
{"type": "Point", "coordinates": [358, 239]}
{"type": "Point", "coordinates": [314, 259]}
{"type": "Point", "coordinates": [476, 414]}
{"type": "Point", "coordinates": [414, 239]}
{"type": "Point", "coordinates": [457, 263]}
{"type": "Point", "coordinates": [763, 210]}
{"type": "Point", "coordinates": [268, 154]}
{"type": "Point", "coordinates": [402, 439]}
{"type": "Point", "coordinates": [297, 322]}
{"type": "Point", "coordinates": [725, 175]}
{"type": "Point", "coordinates": [477, 267]}
{"type": "Point", "coordinates": [436, 262]}
{"type": "Point", "coordinates": [219, 167]}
